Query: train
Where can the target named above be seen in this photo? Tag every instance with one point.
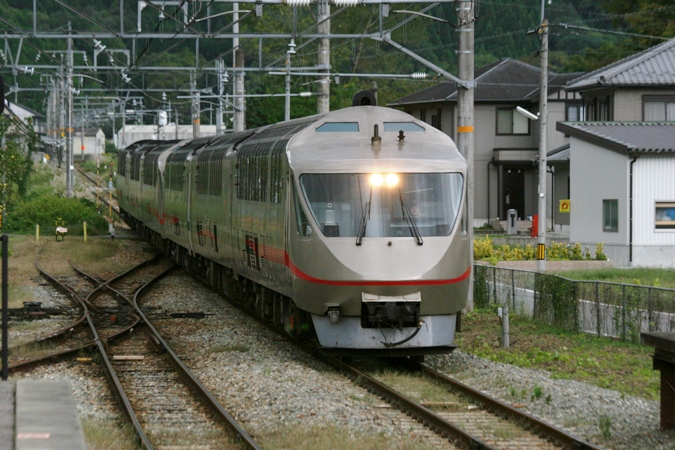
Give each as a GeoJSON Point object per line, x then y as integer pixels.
{"type": "Point", "coordinates": [348, 228]}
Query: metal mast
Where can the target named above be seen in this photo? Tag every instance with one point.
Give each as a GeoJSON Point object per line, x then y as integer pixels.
{"type": "Point", "coordinates": [69, 114]}
{"type": "Point", "coordinates": [323, 89]}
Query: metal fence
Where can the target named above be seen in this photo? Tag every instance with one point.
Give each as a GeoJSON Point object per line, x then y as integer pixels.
{"type": "Point", "coordinates": [607, 309]}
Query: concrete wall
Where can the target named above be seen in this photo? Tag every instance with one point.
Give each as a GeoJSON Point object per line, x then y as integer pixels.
{"type": "Point", "coordinates": [628, 103]}
{"type": "Point", "coordinates": [597, 174]}
{"type": "Point", "coordinates": [93, 145]}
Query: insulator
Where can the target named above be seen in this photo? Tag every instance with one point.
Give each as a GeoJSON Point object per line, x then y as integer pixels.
{"type": "Point", "coordinates": [345, 2]}
{"type": "Point", "coordinates": [418, 75]}
{"type": "Point", "coordinates": [297, 2]}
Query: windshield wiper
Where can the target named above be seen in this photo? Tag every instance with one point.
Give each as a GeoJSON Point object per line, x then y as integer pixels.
{"type": "Point", "coordinates": [410, 220]}
{"type": "Point", "coordinates": [364, 219]}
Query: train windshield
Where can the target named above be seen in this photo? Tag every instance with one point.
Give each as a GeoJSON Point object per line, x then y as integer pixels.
{"type": "Point", "coordinates": [384, 205]}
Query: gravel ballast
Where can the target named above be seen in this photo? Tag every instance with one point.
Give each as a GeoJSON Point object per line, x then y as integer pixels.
{"type": "Point", "coordinates": [269, 385]}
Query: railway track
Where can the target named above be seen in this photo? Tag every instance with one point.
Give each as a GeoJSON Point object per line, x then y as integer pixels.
{"type": "Point", "coordinates": [108, 198]}
{"type": "Point", "coordinates": [167, 406]}
{"type": "Point", "coordinates": [469, 418]}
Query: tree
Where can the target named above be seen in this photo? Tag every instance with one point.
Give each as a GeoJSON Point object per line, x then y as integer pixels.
{"type": "Point", "coordinates": [17, 142]}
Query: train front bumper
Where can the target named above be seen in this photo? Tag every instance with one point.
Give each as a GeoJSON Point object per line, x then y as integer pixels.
{"type": "Point", "coordinates": [436, 331]}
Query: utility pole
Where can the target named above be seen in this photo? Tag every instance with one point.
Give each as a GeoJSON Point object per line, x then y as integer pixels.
{"type": "Point", "coordinates": [465, 116]}
{"type": "Point", "coordinates": [543, 113]}
{"type": "Point", "coordinates": [238, 85]}
{"type": "Point", "coordinates": [196, 121]}
{"type": "Point", "coordinates": [82, 127]}
{"type": "Point", "coordinates": [239, 100]}
{"type": "Point", "coordinates": [220, 64]}
{"type": "Point", "coordinates": [323, 90]}
{"type": "Point", "coordinates": [69, 124]}
{"type": "Point", "coordinates": [287, 99]}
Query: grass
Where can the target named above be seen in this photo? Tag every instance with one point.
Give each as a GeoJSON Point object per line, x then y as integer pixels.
{"type": "Point", "coordinates": [329, 437]}
{"type": "Point", "coordinates": [621, 366]}
{"type": "Point", "coordinates": [641, 276]}
{"type": "Point", "coordinates": [104, 435]}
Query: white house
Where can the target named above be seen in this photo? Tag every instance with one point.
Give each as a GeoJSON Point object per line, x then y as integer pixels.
{"type": "Point", "coordinates": [623, 190]}
{"type": "Point", "coordinates": [26, 114]}
{"type": "Point", "coordinates": [88, 144]}
{"type": "Point", "coordinates": [129, 134]}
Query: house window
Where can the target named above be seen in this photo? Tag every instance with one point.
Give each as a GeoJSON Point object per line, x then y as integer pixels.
{"type": "Point", "coordinates": [598, 109]}
{"type": "Point", "coordinates": [575, 112]}
{"type": "Point", "coordinates": [665, 215]}
{"type": "Point", "coordinates": [658, 109]}
{"type": "Point", "coordinates": [511, 122]}
{"type": "Point", "coordinates": [610, 215]}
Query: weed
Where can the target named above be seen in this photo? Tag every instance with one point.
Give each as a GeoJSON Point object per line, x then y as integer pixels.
{"type": "Point", "coordinates": [537, 392]}
{"type": "Point", "coordinates": [605, 425]}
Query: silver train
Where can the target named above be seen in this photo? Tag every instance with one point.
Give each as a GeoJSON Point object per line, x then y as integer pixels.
{"type": "Point", "coordinates": [347, 227]}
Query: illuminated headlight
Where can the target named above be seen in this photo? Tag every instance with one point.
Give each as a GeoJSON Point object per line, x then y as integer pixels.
{"type": "Point", "coordinates": [390, 179]}
{"type": "Point", "coordinates": [376, 180]}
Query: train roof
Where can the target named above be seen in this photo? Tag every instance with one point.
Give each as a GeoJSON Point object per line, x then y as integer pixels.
{"type": "Point", "coordinates": [344, 140]}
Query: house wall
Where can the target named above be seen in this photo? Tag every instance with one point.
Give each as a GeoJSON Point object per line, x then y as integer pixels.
{"type": "Point", "coordinates": [486, 140]}
{"type": "Point", "coordinates": [598, 174]}
{"type": "Point", "coordinates": [652, 182]}
{"type": "Point", "coordinates": [560, 183]}
{"type": "Point", "coordinates": [93, 145]}
{"type": "Point", "coordinates": [628, 103]}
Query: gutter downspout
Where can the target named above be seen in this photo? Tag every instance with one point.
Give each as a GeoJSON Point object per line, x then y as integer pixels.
{"type": "Point", "coordinates": [630, 212]}
{"type": "Point", "coordinates": [551, 170]}
{"type": "Point", "coordinates": [488, 190]}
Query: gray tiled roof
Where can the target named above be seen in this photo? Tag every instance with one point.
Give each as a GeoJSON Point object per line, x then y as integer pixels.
{"type": "Point", "coordinates": [559, 155]}
{"type": "Point", "coordinates": [506, 80]}
{"type": "Point", "coordinates": [652, 67]}
{"type": "Point", "coordinates": [624, 137]}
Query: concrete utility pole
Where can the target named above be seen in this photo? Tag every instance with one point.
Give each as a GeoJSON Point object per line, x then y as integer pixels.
{"type": "Point", "coordinates": [287, 84]}
{"type": "Point", "coordinates": [69, 124]}
{"type": "Point", "coordinates": [220, 64]}
{"type": "Point", "coordinates": [239, 100]}
{"type": "Point", "coordinates": [543, 113]}
{"type": "Point", "coordinates": [196, 121]}
{"type": "Point", "coordinates": [465, 119]}
{"type": "Point", "coordinates": [323, 89]}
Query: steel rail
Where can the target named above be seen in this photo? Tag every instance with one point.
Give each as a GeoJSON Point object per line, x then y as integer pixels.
{"type": "Point", "coordinates": [201, 389]}
{"type": "Point", "coordinates": [69, 292]}
{"type": "Point", "coordinates": [210, 400]}
{"type": "Point", "coordinates": [421, 413]}
{"type": "Point", "coordinates": [101, 198]}
{"type": "Point", "coordinates": [111, 374]}
{"type": "Point", "coordinates": [499, 407]}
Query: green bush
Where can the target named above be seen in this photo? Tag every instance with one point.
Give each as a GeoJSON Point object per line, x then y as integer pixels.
{"type": "Point", "coordinates": [46, 209]}
{"type": "Point", "coordinates": [485, 250]}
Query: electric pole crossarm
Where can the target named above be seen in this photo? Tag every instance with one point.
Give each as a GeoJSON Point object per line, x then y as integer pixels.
{"type": "Point", "coordinates": [429, 64]}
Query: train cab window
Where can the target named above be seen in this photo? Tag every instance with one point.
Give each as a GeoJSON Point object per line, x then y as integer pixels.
{"type": "Point", "coordinates": [402, 126]}
{"type": "Point", "coordinates": [304, 228]}
{"type": "Point", "coordinates": [339, 127]}
{"type": "Point", "coordinates": [388, 205]}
